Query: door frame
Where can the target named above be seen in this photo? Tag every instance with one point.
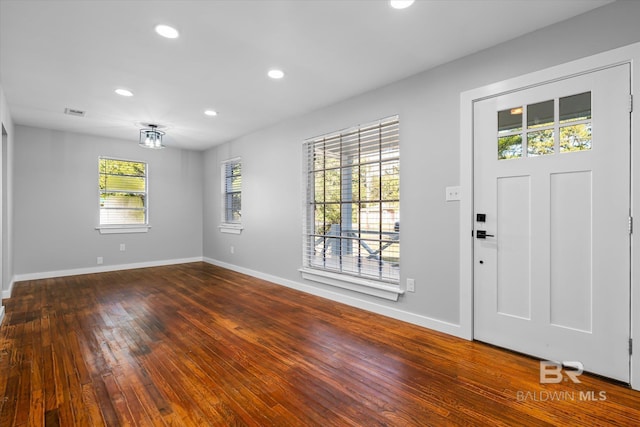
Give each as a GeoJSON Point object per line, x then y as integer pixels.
{"type": "Point", "coordinates": [624, 55]}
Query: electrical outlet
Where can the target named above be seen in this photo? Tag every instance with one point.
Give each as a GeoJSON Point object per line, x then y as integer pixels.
{"type": "Point", "coordinates": [122, 247]}
{"type": "Point", "coordinates": [453, 193]}
{"type": "Point", "coordinates": [411, 285]}
{"type": "Point", "coordinates": [99, 260]}
{"type": "Point", "coordinates": [232, 249]}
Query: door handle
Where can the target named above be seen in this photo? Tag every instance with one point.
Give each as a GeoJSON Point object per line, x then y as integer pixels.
{"type": "Point", "coordinates": [481, 234]}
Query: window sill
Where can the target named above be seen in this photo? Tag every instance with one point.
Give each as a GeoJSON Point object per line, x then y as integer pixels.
{"type": "Point", "coordinates": [122, 229]}
{"type": "Point", "coordinates": [369, 287]}
{"type": "Point", "coordinates": [231, 228]}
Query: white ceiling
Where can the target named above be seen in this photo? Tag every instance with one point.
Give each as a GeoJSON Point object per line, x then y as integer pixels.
{"type": "Point", "coordinates": [57, 54]}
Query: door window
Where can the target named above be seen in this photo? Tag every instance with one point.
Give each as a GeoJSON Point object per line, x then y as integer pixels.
{"type": "Point", "coordinates": [569, 117]}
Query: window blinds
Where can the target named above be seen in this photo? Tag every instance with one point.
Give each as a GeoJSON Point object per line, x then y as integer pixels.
{"type": "Point", "coordinates": [352, 209]}
{"type": "Point", "coordinates": [123, 192]}
{"type": "Point", "coordinates": [232, 192]}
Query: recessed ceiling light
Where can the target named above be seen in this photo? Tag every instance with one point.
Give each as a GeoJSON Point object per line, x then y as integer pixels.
{"type": "Point", "coordinates": [210, 113]}
{"type": "Point", "coordinates": [124, 92]}
{"type": "Point", "coordinates": [276, 74]}
{"type": "Point", "coordinates": [400, 4]}
{"type": "Point", "coordinates": [167, 31]}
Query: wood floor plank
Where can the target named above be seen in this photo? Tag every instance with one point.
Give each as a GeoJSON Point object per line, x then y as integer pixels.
{"type": "Point", "coordinates": [10, 400]}
{"type": "Point", "coordinates": [194, 345]}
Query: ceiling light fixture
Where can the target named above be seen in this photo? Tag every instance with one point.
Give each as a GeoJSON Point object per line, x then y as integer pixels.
{"type": "Point", "coordinates": [124, 92]}
{"type": "Point", "coordinates": [210, 113]}
{"type": "Point", "coordinates": [400, 4]}
{"type": "Point", "coordinates": [151, 137]}
{"type": "Point", "coordinates": [167, 31]}
{"type": "Point", "coordinates": [276, 74]}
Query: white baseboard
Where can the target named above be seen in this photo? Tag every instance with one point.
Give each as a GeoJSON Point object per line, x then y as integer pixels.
{"type": "Point", "coordinates": [7, 293]}
{"type": "Point", "coordinates": [416, 319]}
{"type": "Point", "coordinates": [1, 314]}
{"type": "Point", "coordinates": [99, 269]}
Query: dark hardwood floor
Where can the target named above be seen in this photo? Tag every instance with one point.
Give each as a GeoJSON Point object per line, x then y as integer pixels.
{"type": "Point", "coordinates": [198, 345]}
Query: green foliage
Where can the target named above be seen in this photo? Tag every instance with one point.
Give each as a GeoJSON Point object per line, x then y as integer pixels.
{"type": "Point", "coordinates": [576, 137]}
{"type": "Point", "coordinates": [121, 176]}
{"type": "Point", "coordinates": [540, 142]}
{"type": "Point", "coordinates": [572, 138]}
{"type": "Point", "coordinates": [509, 147]}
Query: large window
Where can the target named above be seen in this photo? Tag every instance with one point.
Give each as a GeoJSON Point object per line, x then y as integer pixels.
{"type": "Point", "coordinates": [231, 196]}
{"type": "Point", "coordinates": [352, 214]}
{"type": "Point", "coordinates": [123, 192]}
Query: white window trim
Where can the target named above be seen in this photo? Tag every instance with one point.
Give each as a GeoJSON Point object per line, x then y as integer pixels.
{"type": "Point", "coordinates": [230, 228]}
{"type": "Point", "coordinates": [358, 284]}
{"type": "Point", "coordinates": [126, 228]}
{"type": "Point", "coordinates": [227, 227]}
{"type": "Point", "coordinates": [123, 229]}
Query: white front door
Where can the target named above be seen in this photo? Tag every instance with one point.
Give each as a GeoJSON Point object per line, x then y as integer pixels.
{"type": "Point", "coordinates": [552, 179]}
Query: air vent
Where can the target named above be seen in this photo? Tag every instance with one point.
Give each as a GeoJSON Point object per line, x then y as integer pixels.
{"type": "Point", "coordinates": [74, 112]}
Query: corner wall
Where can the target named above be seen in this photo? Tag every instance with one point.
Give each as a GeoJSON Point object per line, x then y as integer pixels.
{"type": "Point", "coordinates": [6, 251]}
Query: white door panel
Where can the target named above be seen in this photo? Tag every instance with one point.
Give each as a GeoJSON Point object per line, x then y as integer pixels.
{"type": "Point", "coordinates": [552, 277]}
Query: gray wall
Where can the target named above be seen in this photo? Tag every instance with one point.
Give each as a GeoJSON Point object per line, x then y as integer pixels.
{"type": "Point", "coordinates": [56, 203]}
{"type": "Point", "coordinates": [6, 206]}
{"type": "Point", "coordinates": [429, 109]}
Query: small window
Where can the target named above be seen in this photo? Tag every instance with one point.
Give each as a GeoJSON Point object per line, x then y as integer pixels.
{"type": "Point", "coordinates": [510, 133]}
{"type": "Point", "coordinates": [540, 129]}
{"type": "Point", "coordinates": [575, 122]}
{"type": "Point", "coordinates": [123, 193]}
{"type": "Point", "coordinates": [231, 196]}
